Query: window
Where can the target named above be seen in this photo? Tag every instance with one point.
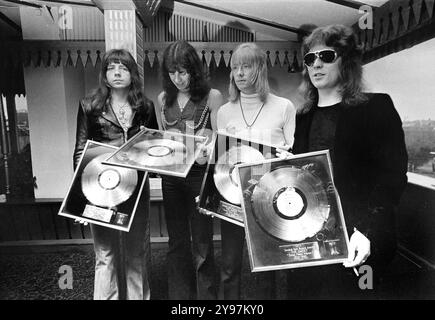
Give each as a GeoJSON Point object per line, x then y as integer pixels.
{"type": "Point", "coordinates": [16, 177]}
{"type": "Point", "coordinates": [409, 79]}
{"type": "Point", "coordinates": [22, 124]}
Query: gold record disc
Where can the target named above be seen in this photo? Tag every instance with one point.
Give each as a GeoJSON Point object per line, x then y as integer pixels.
{"type": "Point", "coordinates": [224, 175]}
{"type": "Point", "coordinates": [290, 204]}
{"type": "Point", "coordinates": [158, 153]}
{"type": "Point", "coordinates": [107, 186]}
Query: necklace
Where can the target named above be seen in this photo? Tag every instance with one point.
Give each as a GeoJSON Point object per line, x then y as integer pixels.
{"type": "Point", "coordinates": [182, 102]}
{"type": "Point", "coordinates": [123, 116]}
{"type": "Point", "coordinates": [248, 126]}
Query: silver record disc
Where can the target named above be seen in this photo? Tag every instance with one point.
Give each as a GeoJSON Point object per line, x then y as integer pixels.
{"type": "Point", "coordinates": [290, 204]}
{"type": "Point", "coordinates": [158, 153]}
{"type": "Point", "coordinates": [224, 175]}
{"type": "Point", "coordinates": [107, 186]}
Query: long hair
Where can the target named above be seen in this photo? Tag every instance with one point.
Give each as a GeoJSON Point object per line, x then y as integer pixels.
{"type": "Point", "coordinates": [250, 53]}
{"type": "Point", "coordinates": [180, 54]}
{"type": "Point", "coordinates": [101, 96]}
{"type": "Point", "coordinates": [345, 42]}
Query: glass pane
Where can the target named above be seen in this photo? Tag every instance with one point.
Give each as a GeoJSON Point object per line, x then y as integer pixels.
{"type": "Point", "coordinates": [407, 77]}
{"type": "Point", "coordinates": [16, 178]}
{"type": "Point", "coordinates": [22, 124]}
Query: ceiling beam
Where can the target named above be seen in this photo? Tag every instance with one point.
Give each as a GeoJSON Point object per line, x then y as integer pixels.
{"type": "Point", "coordinates": [72, 2]}
{"type": "Point", "coordinates": [10, 22]}
{"type": "Point", "coordinates": [244, 16]}
{"type": "Point", "coordinates": [350, 3]}
{"type": "Point", "coordinates": [24, 3]}
{"type": "Point", "coordinates": [147, 10]}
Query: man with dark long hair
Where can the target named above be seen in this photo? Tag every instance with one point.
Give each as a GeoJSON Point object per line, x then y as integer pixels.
{"type": "Point", "coordinates": [364, 135]}
{"type": "Point", "coordinates": [188, 105]}
{"type": "Point", "coordinates": [112, 114]}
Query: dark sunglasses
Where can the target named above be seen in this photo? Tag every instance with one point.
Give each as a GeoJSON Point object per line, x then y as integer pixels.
{"type": "Point", "coordinates": [327, 56]}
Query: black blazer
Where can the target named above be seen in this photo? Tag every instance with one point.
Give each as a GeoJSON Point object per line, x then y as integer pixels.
{"type": "Point", "coordinates": [102, 126]}
{"type": "Point", "coordinates": [369, 167]}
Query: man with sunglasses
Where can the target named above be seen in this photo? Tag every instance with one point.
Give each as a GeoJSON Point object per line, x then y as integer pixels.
{"type": "Point", "coordinates": [363, 133]}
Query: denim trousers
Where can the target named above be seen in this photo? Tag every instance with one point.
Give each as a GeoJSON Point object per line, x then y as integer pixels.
{"type": "Point", "coordinates": [190, 258]}
{"type": "Point", "coordinates": [122, 259]}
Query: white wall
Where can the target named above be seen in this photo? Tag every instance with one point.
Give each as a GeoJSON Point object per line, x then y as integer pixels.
{"type": "Point", "coordinates": [48, 123]}
{"type": "Point", "coordinates": [53, 96]}
{"type": "Point", "coordinates": [409, 77]}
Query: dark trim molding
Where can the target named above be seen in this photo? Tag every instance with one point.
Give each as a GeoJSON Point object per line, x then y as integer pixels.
{"type": "Point", "coordinates": [348, 3]}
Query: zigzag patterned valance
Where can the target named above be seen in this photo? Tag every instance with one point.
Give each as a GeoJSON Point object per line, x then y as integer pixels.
{"type": "Point", "coordinates": [397, 25]}
{"type": "Point", "coordinates": [279, 53]}
{"type": "Point", "coordinates": [52, 53]}
{"type": "Point", "coordinates": [67, 53]}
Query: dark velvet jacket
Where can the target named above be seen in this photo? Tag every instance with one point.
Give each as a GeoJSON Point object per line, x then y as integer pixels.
{"type": "Point", "coordinates": [369, 167]}
{"type": "Point", "coordinates": [102, 126]}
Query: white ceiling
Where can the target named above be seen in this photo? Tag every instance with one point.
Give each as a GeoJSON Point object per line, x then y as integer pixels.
{"type": "Point", "coordinates": [293, 13]}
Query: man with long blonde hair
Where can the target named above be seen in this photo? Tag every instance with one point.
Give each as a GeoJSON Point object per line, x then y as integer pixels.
{"type": "Point", "coordinates": [255, 114]}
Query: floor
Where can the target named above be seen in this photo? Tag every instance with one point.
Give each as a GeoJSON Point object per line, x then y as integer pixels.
{"type": "Point", "coordinates": [28, 275]}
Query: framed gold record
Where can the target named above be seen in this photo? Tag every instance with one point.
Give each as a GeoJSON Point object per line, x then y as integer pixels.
{"type": "Point", "coordinates": [105, 185]}
{"type": "Point", "coordinates": [224, 175]}
{"type": "Point", "coordinates": [220, 196]}
{"type": "Point", "coordinates": [164, 152]}
{"type": "Point", "coordinates": [103, 194]}
{"type": "Point", "coordinates": [292, 213]}
{"type": "Point", "coordinates": [290, 204]}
